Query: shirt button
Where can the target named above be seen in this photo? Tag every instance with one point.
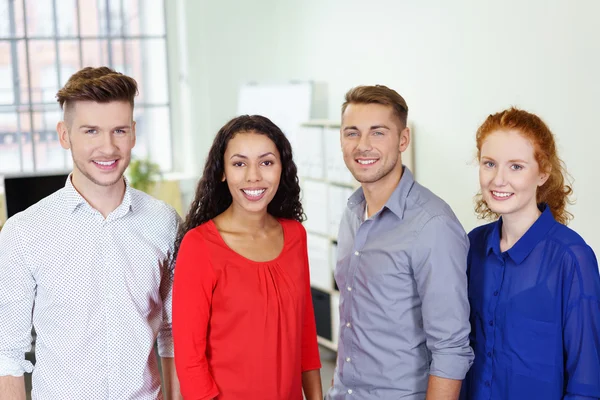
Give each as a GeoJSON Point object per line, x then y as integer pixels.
{"type": "Point", "coordinates": [348, 324]}
{"type": "Point", "coordinates": [356, 253]}
{"type": "Point", "coordinates": [349, 288]}
{"type": "Point", "coordinates": [347, 359]}
{"type": "Point", "coordinates": [489, 354]}
{"type": "Point", "coordinates": [496, 293]}
{"type": "Point", "coordinates": [491, 323]}
{"type": "Point", "coordinates": [487, 383]}
{"type": "Point", "coordinates": [349, 391]}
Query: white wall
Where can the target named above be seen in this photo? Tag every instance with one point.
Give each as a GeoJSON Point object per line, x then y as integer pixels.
{"type": "Point", "coordinates": [454, 62]}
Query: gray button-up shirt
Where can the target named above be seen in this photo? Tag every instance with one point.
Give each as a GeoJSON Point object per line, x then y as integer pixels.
{"type": "Point", "coordinates": [404, 313]}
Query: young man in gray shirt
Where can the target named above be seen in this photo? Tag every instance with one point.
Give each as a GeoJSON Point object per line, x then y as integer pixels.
{"type": "Point", "coordinates": [401, 268]}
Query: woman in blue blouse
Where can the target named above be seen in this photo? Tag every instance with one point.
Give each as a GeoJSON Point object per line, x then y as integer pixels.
{"type": "Point", "coordinates": [534, 285]}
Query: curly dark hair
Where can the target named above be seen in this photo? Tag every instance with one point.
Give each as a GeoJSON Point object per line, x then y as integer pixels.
{"type": "Point", "coordinates": [213, 195]}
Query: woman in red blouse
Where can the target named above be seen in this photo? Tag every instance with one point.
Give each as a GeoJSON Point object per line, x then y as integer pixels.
{"type": "Point", "coordinates": [243, 321]}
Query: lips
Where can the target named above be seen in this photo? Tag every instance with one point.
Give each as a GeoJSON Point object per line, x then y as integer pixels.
{"type": "Point", "coordinates": [106, 165]}
{"type": "Point", "coordinates": [500, 196]}
{"type": "Point", "coordinates": [254, 194]}
{"type": "Point", "coordinates": [366, 161]}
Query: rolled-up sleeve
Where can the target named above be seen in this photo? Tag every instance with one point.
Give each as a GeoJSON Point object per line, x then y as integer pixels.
{"type": "Point", "coordinates": [17, 293]}
{"type": "Point", "coordinates": [439, 267]}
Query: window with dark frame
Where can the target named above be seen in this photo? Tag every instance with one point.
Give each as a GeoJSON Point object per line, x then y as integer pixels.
{"type": "Point", "coordinates": [43, 42]}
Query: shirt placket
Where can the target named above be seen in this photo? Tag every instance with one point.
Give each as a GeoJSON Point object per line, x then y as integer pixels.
{"type": "Point", "coordinates": [108, 302]}
{"type": "Point", "coordinates": [492, 323]}
{"type": "Point", "coordinates": [353, 296]}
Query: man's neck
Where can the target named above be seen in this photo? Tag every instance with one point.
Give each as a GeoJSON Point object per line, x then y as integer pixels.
{"type": "Point", "coordinates": [378, 193]}
{"type": "Point", "coordinates": [104, 199]}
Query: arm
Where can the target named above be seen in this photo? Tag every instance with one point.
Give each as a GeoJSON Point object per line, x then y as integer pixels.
{"type": "Point", "coordinates": [311, 360]}
{"type": "Point", "coordinates": [192, 297]}
{"type": "Point", "coordinates": [311, 384]}
{"type": "Point", "coordinates": [170, 381]}
{"type": "Point", "coordinates": [581, 327]}
{"type": "Point", "coordinates": [439, 263]}
{"type": "Point", "coordinates": [442, 388]}
{"type": "Point", "coordinates": [12, 387]}
{"type": "Point", "coordinates": [17, 293]}
{"type": "Point", "coordinates": [171, 388]}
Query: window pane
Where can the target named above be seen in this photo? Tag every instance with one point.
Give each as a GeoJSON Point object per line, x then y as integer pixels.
{"type": "Point", "coordinates": [4, 23]}
{"type": "Point", "coordinates": [152, 17]}
{"type": "Point", "coordinates": [149, 67]}
{"type": "Point", "coordinates": [49, 154]}
{"type": "Point", "coordinates": [40, 18]}
{"type": "Point", "coordinates": [88, 17]}
{"type": "Point", "coordinates": [9, 146]}
{"type": "Point", "coordinates": [153, 135]}
{"type": "Point", "coordinates": [23, 77]}
{"type": "Point", "coordinates": [66, 14]}
{"type": "Point", "coordinates": [69, 57]}
{"type": "Point", "coordinates": [25, 146]}
{"type": "Point", "coordinates": [95, 53]}
{"type": "Point", "coordinates": [111, 22]}
{"type": "Point", "coordinates": [6, 74]}
{"type": "Point", "coordinates": [44, 76]}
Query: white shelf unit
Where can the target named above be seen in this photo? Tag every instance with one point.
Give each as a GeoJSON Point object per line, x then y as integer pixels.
{"type": "Point", "coordinates": [326, 186]}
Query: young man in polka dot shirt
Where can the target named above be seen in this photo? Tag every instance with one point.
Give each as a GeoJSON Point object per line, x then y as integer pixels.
{"type": "Point", "coordinates": [89, 266]}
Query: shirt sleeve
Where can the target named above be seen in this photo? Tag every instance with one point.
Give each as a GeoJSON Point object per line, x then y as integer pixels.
{"type": "Point", "coordinates": [439, 262]}
{"type": "Point", "coordinates": [192, 296]}
{"type": "Point", "coordinates": [17, 294]}
{"type": "Point", "coordinates": [581, 329]}
{"type": "Point", "coordinates": [165, 337]}
{"type": "Point", "coordinates": [310, 348]}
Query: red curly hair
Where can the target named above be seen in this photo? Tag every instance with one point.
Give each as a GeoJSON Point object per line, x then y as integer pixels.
{"type": "Point", "coordinates": [556, 190]}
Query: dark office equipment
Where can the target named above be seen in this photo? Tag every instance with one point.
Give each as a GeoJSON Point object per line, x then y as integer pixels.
{"type": "Point", "coordinates": [23, 191]}
{"type": "Point", "coordinates": [322, 306]}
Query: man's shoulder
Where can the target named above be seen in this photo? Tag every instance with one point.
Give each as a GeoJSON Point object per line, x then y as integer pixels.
{"type": "Point", "coordinates": [38, 214]}
{"type": "Point", "coordinates": [422, 200]}
{"type": "Point", "coordinates": [151, 206]}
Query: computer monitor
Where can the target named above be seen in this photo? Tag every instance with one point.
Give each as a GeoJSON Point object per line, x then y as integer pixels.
{"type": "Point", "coordinates": [23, 191]}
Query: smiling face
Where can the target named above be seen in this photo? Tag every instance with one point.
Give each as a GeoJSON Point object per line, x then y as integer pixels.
{"type": "Point", "coordinates": [372, 138]}
{"type": "Point", "coordinates": [100, 137]}
{"type": "Point", "coordinates": [509, 174]}
{"type": "Point", "coordinates": [252, 171]}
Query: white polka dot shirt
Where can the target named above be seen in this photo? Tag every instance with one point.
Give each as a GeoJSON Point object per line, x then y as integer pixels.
{"type": "Point", "coordinates": [98, 292]}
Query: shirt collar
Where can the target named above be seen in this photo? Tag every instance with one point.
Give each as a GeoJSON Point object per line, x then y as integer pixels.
{"type": "Point", "coordinates": [73, 199]}
{"type": "Point", "coordinates": [536, 233]}
{"type": "Point", "coordinates": [397, 201]}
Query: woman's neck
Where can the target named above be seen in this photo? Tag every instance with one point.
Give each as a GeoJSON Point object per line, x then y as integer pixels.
{"type": "Point", "coordinates": [514, 226]}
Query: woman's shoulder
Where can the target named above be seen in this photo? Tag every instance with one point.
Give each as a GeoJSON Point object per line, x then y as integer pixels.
{"type": "Point", "coordinates": [480, 234]}
{"type": "Point", "coordinates": [292, 227]}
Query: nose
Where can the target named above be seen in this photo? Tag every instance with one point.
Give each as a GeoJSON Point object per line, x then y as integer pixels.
{"type": "Point", "coordinates": [499, 177]}
{"type": "Point", "coordinates": [364, 144]}
{"type": "Point", "coordinates": [253, 173]}
{"type": "Point", "coordinates": [108, 143]}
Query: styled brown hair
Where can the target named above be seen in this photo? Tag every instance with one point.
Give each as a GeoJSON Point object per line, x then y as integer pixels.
{"type": "Point", "coordinates": [554, 192]}
{"type": "Point", "coordinates": [100, 84]}
{"type": "Point", "coordinates": [378, 94]}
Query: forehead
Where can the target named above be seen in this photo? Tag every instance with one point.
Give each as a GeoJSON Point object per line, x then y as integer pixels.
{"type": "Point", "coordinates": [94, 113]}
{"type": "Point", "coordinates": [507, 144]}
{"type": "Point", "coordinates": [251, 144]}
{"type": "Point", "coordinates": [368, 114]}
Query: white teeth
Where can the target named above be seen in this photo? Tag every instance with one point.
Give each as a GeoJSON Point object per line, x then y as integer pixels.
{"type": "Point", "coordinates": [254, 193]}
{"type": "Point", "coordinates": [501, 194]}
{"type": "Point", "coordinates": [105, 163]}
{"type": "Point", "coordinates": [366, 162]}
